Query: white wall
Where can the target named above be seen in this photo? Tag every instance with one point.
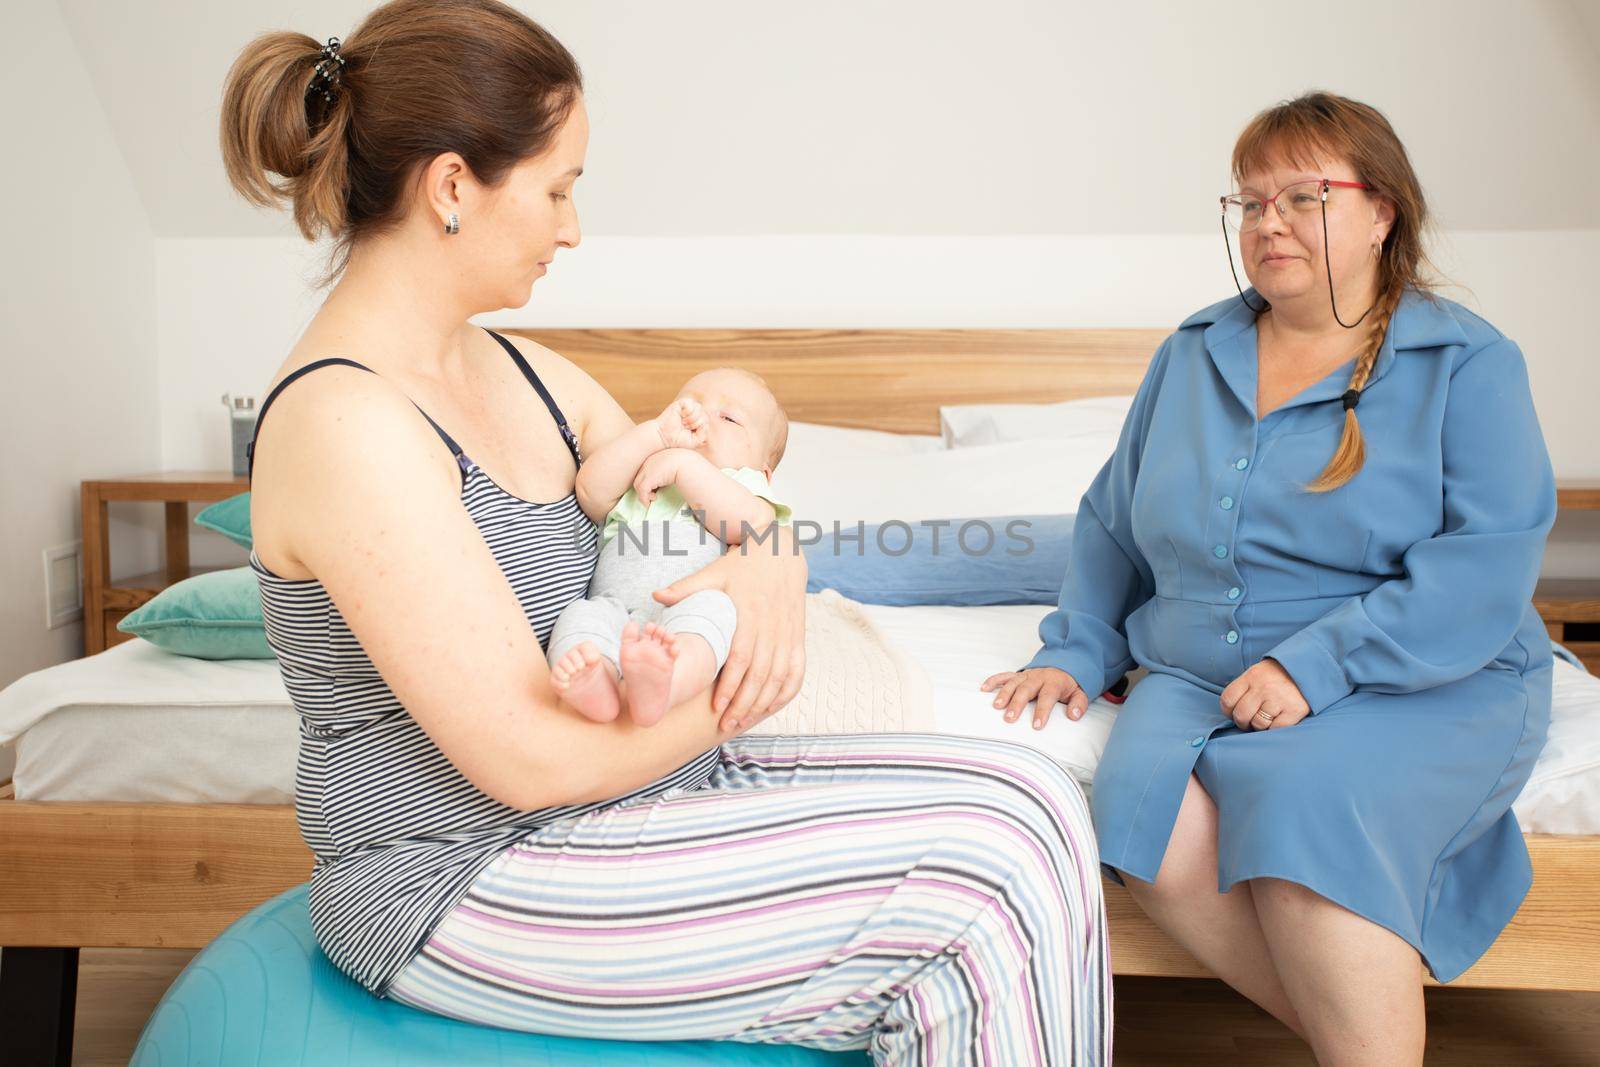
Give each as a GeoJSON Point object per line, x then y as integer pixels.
{"type": "Point", "coordinates": [81, 394]}
{"type": "Point", "coordinates": [916, 117]}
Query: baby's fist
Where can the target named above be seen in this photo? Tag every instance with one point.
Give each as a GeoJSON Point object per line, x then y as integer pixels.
{"type": "Point", "coordinates": [683, 424]}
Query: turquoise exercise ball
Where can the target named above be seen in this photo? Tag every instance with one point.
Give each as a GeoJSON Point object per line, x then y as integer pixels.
{"type": "Point", "coordinates": [264, 995]}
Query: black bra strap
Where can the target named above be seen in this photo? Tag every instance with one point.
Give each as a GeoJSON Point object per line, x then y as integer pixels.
{"type": "Point", "coordinates": [544, 394]}
{"type": "Point", "coordinates": [449, 442]}
{"type": "Point", "coordinates": [250, 449]}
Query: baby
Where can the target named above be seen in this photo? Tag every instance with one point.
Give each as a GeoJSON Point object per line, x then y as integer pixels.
{"type": "Point", "coordinates": [671, 493]}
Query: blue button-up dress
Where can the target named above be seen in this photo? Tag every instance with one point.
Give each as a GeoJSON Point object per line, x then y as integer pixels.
{"type": "Point", "coordinates": [1400, 604]}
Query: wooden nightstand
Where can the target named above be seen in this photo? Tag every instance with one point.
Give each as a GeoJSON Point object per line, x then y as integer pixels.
{"type": "Point", "coordinates": [1570, 607]}
{"type": "Point", "coordinates": [105, 602]}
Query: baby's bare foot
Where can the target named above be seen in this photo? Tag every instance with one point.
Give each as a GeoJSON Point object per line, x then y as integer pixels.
{"type": "Point", "coordinates": [647, 659]}
{"type": "Point", "coordinates": [587, 680]}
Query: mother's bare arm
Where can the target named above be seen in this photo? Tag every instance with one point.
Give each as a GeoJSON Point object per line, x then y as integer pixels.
{"type": "Point", "coordinates": [384, 530]}
{"type": "Point", "coordinates": [609, 471]}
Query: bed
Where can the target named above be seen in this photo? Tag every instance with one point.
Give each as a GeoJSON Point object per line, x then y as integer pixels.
{"type": "Point", "coordinates": [150, 804]}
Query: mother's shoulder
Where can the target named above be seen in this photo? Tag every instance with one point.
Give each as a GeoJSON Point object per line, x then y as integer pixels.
{"type": "Point", "coordinates": [340, 438]}
{"type": "Point", "coordinates": [332, 397]}
{"type": "Point", "coordinates": [545, 361]}
{"type": "Point", "coordinates": [582, 399]}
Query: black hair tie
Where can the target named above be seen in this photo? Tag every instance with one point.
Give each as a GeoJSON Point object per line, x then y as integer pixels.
{"type": "Point", "coordinates": [1351, 398]}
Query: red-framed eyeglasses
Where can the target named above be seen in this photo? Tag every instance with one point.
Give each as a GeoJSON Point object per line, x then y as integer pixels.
{"type": "Point", "coordinates": [1244, 212]}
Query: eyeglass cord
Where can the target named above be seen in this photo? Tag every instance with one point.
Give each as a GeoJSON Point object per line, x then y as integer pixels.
{"type": "Point", "coordinates": [1325, 260]}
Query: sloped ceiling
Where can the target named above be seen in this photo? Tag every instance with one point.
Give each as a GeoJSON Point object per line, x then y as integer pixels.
{"type": "Point", "coordinates": [936, 116]}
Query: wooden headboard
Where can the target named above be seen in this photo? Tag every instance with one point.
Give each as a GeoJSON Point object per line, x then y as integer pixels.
{"type": "Point", "coordinates": [891, 380]}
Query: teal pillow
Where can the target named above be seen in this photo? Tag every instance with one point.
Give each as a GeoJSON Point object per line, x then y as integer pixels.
{"type": "Point", "coordinates": [216, 615]}
{"type": "Point", "coordinates": [230, 518]}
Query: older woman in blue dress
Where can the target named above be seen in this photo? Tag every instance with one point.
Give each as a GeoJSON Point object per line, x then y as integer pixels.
{"type": "Point", "coordinates": [1320, 533]}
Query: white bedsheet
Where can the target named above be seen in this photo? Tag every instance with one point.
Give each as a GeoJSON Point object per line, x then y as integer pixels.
{"type": "Point", "coordinates": [135, 723]}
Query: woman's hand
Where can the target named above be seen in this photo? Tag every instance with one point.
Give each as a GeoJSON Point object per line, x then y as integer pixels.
{"type": "Point", "coordinates": [1044, 685]}
{"type": "Point", "coordinates": [1264, 698]}
{"type": "Point", "coordinates": [682, 424]}
{"type": "Point", "coordinates": [766, 578]}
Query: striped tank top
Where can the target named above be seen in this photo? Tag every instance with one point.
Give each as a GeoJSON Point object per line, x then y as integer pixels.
{"type": "Point", "coordinates": [396, 832]}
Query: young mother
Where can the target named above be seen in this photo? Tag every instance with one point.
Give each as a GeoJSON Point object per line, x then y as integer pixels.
{"type": "Point", "coordinates": [482, 850]}
{"type": "Point", "coordinates": [1320, 533]}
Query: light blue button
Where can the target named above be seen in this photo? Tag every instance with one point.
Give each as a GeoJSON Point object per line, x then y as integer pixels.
{"type": "Point", "coordinates": [1241, 464]}
{"type": "Point", "coordinates": [1227, 503]}
{"type": "Point", "coordinates": [1197, 742]}
{"type": "Point", "coordinates": [1233, 594]}
{"type": "Point", "coordinates": [1221, 551]}
{"type": "Point", "coordinates": [1232, 637]}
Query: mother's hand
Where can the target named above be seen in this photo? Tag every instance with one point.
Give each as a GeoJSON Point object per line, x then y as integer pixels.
{"type": "Point", "coordinates": [1264, 698]}
{"type": "Point", "coordinates": [767, 582]}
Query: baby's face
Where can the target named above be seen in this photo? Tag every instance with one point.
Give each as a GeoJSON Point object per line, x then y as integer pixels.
{"type": "Point", "coordinates": [742, 419]}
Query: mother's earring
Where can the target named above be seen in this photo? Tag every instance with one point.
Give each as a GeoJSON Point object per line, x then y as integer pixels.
{"type": "Point", "coordinates": [452, 224]}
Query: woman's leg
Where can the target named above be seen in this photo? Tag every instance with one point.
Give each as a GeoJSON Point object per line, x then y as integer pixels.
{"type": "Point", "coordinates": [934, 899]}
{"type": "Point", "coordinates": [1357, 986]}
{"type": "Point", "coordinates": [1220, 930]}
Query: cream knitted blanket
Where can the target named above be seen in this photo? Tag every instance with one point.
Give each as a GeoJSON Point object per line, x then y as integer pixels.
{"type": "Point", "coordinates": [856, 681]}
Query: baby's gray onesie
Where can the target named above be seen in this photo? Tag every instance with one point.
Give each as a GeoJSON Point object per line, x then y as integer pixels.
{"type": "Point", "coordinates": [638, 560]}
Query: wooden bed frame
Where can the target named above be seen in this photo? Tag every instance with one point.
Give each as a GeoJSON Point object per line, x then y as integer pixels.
{"type": "Point", "coordinates": [174, 875]}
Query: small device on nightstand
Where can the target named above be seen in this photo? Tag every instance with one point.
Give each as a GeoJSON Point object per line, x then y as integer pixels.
{"type": "Point", "coordinates": [241, 428]}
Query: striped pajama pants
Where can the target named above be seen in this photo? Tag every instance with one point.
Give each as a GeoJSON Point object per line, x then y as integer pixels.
{"type": "Point", "coordinates": [933, 899]}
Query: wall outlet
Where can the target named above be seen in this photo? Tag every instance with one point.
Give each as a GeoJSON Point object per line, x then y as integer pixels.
{"type": "Point", "coordinates": [63, 584]}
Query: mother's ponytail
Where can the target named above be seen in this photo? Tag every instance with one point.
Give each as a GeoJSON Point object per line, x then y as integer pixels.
{"type": "Point", "coordinates": [270, 148]}
{"type": "Point", "coordinates": [416, 79]}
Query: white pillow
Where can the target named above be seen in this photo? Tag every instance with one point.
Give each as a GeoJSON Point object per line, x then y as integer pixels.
{"type": "Point", "coordinates": [1018, 478]}
{"type": "Point", "coordinates": [1088, 421]}
{"type": "Point", "coordinates": [815, 440]}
